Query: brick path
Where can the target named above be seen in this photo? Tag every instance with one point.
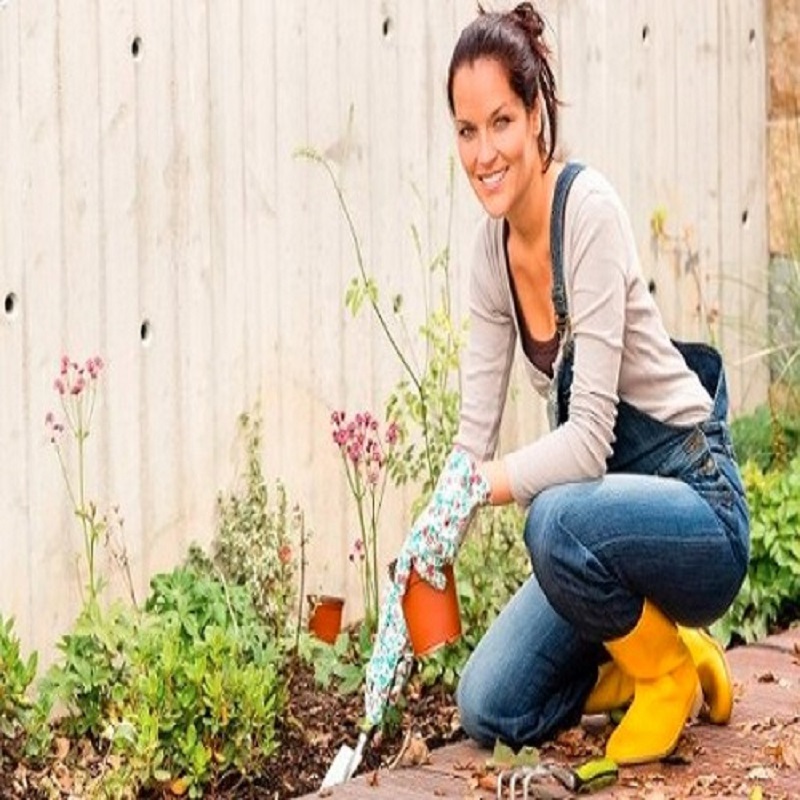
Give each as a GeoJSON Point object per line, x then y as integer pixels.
{"type": "Point", "coordinates": [760, 749]}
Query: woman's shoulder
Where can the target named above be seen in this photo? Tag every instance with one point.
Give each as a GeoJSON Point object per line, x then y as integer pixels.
{"type": "Point", "coordinates": [595, 208]}
{"type": "Point", "coordinates": [488, 252]}
{"type": "Point", "coordinates": [592, 187]}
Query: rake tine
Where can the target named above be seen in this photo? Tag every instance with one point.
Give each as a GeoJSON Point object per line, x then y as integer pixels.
{"type": "Point", "coordinates": [500, 776]}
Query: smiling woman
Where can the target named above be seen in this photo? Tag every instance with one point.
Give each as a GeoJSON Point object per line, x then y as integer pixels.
{"type": "Point", "coordinates": [632, 493]}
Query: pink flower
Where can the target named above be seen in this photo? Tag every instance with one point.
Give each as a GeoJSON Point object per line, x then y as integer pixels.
{"type": "Point", "coordinates": [93, 366]}
{"type": "Point", "coordinates": [53, 428]}
{"type": "Point", "coordinates": [60, 386]}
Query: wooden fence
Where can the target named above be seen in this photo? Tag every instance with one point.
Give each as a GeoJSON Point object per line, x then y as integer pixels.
{"type": "Point", "coordinates": [153, 211]}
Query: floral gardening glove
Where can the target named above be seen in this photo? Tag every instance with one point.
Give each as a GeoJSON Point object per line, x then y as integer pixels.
{"type": "Point", "coordinates": [432, 543]}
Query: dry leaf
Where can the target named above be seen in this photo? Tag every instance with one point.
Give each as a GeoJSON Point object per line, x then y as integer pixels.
{"type": "Point", "coordinates": [62, 748]}
{"type": "Point", "coordinates": [488, 781]}
{"type": "Point", "coordinates": [416, 753]}
{"type": "Point", "coordinates": [64, 777]}
{"type": "Point", "coordinates": [179, 786]}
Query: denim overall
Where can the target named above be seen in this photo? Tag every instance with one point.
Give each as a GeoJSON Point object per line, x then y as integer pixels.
{"type": "Point", "coordinates": [668, 522]}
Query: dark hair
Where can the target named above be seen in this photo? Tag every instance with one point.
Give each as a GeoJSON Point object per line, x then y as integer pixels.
{"type": "Point", "coordinates": [514, 39]}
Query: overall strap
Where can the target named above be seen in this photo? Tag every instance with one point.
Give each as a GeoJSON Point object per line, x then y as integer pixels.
{"type": "Point", "coordinates": [557, 215]}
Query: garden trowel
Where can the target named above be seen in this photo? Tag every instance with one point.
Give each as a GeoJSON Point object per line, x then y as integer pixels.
{"type": "Point", "coordinates": [345, 763]}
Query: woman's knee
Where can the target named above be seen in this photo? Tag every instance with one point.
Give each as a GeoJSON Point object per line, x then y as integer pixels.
{"type": "Point", "coordinates": [472, 710]}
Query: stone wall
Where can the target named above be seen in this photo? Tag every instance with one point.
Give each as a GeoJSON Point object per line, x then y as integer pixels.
{"type": "Point", "coordinates": [783, 59]}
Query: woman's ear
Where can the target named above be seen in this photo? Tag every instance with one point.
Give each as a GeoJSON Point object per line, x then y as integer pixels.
{"type": "Point", "coordinates": [536, 119]}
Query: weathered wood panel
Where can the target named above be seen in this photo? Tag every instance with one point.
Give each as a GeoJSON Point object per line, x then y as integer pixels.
{"type": "Point", "coordinates": [154, 212]}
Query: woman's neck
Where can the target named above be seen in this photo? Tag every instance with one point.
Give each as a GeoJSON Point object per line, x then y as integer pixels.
{"type": "Point", "coordinates": [529, 223]}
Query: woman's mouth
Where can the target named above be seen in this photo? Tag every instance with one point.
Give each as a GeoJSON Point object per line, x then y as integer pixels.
{"type": "Point", "coordinates": [493, 179]}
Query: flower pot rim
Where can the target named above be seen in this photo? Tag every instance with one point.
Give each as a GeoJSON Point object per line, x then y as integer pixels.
{"type": "Point", "coordinates": [325, 599]}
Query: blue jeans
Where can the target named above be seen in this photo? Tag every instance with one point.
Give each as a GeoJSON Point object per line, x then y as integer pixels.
{"type": "Point", "coordinates": [669, 523]}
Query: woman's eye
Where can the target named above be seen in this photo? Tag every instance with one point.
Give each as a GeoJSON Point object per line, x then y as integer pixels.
{"type": "Point", "coordinates": [466, 133]}
{"type": "Point", "coordinates": [501, 122]}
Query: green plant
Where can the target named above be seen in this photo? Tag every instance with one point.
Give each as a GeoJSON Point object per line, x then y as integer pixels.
{"type": "Point", "coordinates": [425, 401]}
{"type": "Point", "coordinates": [367, 458]}
{"type": "Point", "coordinates": [76, 385]}
{"type": "Point", "coordinates": [772, 586]}
{"type": "Point", "coordinates": [766, 436]}
{"type": "Point", "coordinates": [182, 693]}
{"type": "Point", "coordinates": [21, 719]}
{"type": "Point", "coordinates": [258, 536]}
{"type": "Point", "coordinates": [340, 665]}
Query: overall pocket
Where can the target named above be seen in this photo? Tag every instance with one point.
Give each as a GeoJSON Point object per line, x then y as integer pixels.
{"type": "Point", "coordinates": [695, 463]}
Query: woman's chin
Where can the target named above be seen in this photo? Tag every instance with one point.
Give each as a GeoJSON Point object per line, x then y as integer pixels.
{"type": "Point", "coordinates": [494, 209]}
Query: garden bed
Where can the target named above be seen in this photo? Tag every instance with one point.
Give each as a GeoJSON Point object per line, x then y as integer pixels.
{"type": "Point", "coordinates": [316, 723]}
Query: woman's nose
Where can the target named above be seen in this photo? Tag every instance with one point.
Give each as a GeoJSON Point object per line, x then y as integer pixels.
{"type": "Point", "coordinates": [486, 149]}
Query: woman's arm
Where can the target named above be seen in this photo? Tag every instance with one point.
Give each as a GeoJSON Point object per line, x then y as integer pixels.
{"type": "Point", "coordinates": [495, 474]}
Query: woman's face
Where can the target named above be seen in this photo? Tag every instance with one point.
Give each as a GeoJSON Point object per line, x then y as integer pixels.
{"type": "Point", "coordinates": [497, 136]}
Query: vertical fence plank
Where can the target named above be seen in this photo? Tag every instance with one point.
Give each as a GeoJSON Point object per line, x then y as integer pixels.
{"type": "Point", "coordinates": [297, 446]}
{"type": "Point", "coordinates": [157, 197]}
{"type": "Point", "coordinates": [80, 131]}
{"type": "Point", "coordinates": [229, 267]}
{"type": "Point", "coordinates": [202, 371]}
{"type": "Point", "coordinates": [331, 133]}
{"type": "Point", "coordinates": [742, 205]}
{"type": "Point", "coordinates": [119, 52]}
{"type": "Point", "coordinates": [16, 305]}
{"type": "Point", "coordinates": [697, 173]}
{"type": "Point", "coordinates": [50, 528]}
{"type": "Point", "coordinates": [261, 202]}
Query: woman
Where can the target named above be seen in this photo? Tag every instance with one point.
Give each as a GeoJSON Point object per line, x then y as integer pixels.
{"type": "Point", "coordinates": [636, 517]}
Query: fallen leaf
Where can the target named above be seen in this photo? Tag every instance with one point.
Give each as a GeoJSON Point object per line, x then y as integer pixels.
{"type": "Point", "coordinates": [488, 781]}
{"type": "Point", "coordinates": [757, 793]}
{"type": "Point", "coordinates": [179, 786]}
{"type": "Point", "coordinates": [64, 778]}
{"type": "Point", "coordinates": [766, 677]}
{"type": "Point", "coordinates": [416, 753]}
{"type": "Point", "coordinates": [62, 748]}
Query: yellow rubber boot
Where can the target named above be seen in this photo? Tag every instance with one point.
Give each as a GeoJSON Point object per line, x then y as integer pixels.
{"type": "Point", "coordinates": [666, 687]}
{"type": "Point", "coordinates": [614, 689]}
{"type": "Point", "coordinates": [712, 669]}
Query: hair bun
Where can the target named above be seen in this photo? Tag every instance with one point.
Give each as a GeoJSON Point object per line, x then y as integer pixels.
{"type": "Point", "coordinates": [530, 18]}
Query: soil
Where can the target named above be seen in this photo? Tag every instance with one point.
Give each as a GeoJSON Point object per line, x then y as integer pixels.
{"type": "Point", "coordinates": [315, 725]}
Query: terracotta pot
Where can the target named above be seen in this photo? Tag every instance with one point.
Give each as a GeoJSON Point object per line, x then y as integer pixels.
{"type": "Point", "coordinates": [432, 616]}
{"type": "Point", "coordinates": [325, 616]}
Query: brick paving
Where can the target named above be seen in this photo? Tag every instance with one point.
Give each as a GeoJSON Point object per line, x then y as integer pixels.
{"type": "Point", "coordinates": [756, 756]}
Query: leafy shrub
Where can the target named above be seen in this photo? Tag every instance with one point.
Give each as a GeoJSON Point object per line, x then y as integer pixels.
{"type": "Point", "coordinates": [22, 721]}
{"type": "Point", "coordinates": [185, 691]}
{"type": "Point", "coordinates": [772, 586]}
{"type": "Point", "coordinates": [765, 436]}
{"type": "Point", "coordinates": [257, 537]}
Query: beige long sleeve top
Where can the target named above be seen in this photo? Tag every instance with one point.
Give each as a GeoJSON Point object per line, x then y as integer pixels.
{"type": "Point", "coordinates": [621, 347]}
